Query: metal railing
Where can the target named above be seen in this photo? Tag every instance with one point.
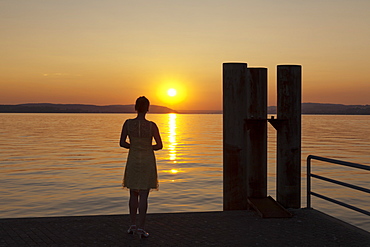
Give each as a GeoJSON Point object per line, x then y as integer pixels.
{"type": "Point", "coordinates": [338, 162]}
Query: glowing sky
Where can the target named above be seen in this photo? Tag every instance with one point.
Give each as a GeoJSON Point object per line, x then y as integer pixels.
{"type": "Point", "coordinates": [112, 51]}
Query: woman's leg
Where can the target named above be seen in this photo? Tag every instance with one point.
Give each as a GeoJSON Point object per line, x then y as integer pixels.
{"type": "Point", "coordinates": [133, 205]}
{"type": "Point", "coordinates": [143, 207]}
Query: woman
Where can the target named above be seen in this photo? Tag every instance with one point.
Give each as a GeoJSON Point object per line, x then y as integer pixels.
{"type": "Point", "coordinates": [141, 171]}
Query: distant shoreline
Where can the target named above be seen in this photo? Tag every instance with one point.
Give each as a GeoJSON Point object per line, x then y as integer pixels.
{"type": "Point", "coordinates": [307, 108]}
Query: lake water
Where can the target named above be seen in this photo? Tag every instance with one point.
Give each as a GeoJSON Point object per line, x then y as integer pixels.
{"type": "Point", "coordinates": [71, 164]}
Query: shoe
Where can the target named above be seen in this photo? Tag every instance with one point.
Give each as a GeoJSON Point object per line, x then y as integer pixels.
{"type": "Point", "coordinates": [132, 229]}
{"type": "Point", "coordinates": [142, 233]}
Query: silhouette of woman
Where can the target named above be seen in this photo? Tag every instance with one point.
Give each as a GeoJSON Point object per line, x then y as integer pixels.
{"type": "Point", "coordinates": [141, 171]}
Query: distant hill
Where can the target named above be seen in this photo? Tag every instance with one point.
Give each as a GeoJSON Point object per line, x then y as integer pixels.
{"type": "Point", "coordinates": [200, 111]}
{"type": "Point", "coordinates": [335, 109]}
{"type": "Point", "coordinates": [307, 108]}
{"type": "Point", "coordinates": [77, 108]}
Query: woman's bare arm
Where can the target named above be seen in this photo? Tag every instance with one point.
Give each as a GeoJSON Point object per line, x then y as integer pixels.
{"type": "Point", "coordinates": [157, 138]}
{"type": "Point", "coordinates": [123, 143]}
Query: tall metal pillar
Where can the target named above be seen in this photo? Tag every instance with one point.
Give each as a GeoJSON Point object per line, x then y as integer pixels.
{"type": "Point", "coordinates": [289, 87]}
{"type": "Point", "coordinates": [235, 80]}
{"type": "Point", "coordinates": [256, 125]}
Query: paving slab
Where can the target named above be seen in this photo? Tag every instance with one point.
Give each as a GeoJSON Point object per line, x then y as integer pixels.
{"type": "Point", "coordinates": [307, 227]}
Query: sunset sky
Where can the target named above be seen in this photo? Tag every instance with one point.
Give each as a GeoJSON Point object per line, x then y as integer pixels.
{"type": "Point", "coordinates": [112, 51]}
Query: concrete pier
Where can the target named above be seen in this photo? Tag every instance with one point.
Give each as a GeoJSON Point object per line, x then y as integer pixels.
{"type": "Point", "coordinates": [307, 227]}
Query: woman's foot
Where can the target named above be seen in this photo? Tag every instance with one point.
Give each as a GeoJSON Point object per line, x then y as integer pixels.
{"type": "Point", "coordinates": [142, 233]}
{"type": "Point", "coordinates": [132, 229]}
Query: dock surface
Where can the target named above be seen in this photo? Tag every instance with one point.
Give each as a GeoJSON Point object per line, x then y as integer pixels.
{"type": "Point", "coordinates": [307, 227]}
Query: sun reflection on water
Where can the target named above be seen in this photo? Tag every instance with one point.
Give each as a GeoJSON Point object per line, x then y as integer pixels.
{"type": "Point", "coordinates": [172, 136]}
{"type": "Point", "coordinates": [174, 171]}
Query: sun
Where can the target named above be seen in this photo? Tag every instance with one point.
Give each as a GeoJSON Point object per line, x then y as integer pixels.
{"type": "Point", "coordinates": [171, 92]}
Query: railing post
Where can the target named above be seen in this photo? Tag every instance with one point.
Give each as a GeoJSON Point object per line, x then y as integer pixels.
{"type": "Point", "coordinates": [338, 162]}
{"type": "Point", "coordinates": [309, 181]}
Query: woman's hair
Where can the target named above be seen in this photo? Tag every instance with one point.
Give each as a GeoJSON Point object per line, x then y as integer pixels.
{"type": "Point", "coordinates": [142, 104]}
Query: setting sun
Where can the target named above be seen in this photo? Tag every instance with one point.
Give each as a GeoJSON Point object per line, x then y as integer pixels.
{"type": "Point", "coordinates": [171, 92]}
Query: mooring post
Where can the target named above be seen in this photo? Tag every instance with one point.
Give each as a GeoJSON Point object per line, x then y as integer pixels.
{"type": "Point", "coordinates": [256, 124]}
{"type": "Point", "coordinates": [235, 79]}
{"type": "Point", "coordinates": [289, 87]}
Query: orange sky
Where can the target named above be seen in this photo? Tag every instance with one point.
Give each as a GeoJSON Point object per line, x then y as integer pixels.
{"type": "Point", "coordinates": [111, 52]}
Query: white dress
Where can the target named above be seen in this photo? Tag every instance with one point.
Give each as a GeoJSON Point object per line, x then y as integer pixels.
{"type": "Point", "coordinates": [141, 169]}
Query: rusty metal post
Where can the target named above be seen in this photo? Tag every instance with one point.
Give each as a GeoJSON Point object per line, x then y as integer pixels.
{"type": "Point", "coordinates": [235, 79]}
{"type": "Point", "coordinates": [256, 125]}
{"type": "Point", "coordinates": [289, 87]}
